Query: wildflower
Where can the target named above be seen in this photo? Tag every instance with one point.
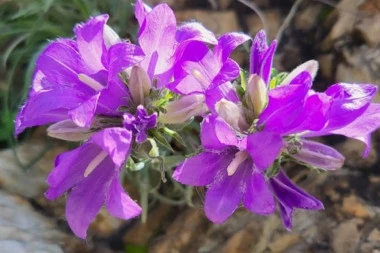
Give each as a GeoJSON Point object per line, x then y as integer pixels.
{"type": "Point", "coordinates": [203, 75]}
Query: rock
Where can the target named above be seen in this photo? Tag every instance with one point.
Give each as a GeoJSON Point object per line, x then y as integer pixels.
{"type": "Point", "coordinates": [183, 233]}
{"type": "Point", "coordinates": [142, 233]}
{"type": "Point", "coordinates": [326, 68]}
{"type": "Point", "coordinates": [14, 179]}
{"type": "Point", "coordinates": [346, 236]}
{"type": "Point", "coordinates": [243, 240]}
{"type": "Point", "coordinates": [174, 4]}
{"type": "Point", "coordinates": [354, 206]}
{"type": "Point", "coordinates": [307, 18]}
{"type": "Point", "coordinates": [217, 21]}
{"type": "Point", "coordinates": [344, 11]}
{"type": "Point", "coordinates": [224, 4]}
{"type": "Point", "coordinates": [369, 29]}
{"type": "Point", "coordinates": [273, 18]}
{"type": "Point", "coordinates": [374, 235]}
{"type": "Point", "coordinates": [352, 150]}
{"type": "Point", "coordinates": [284, 242]}
{"type": "Point", "coordinates": [23, 230]}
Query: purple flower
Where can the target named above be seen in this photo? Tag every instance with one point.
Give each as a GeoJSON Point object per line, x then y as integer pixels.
{"type": "Point", "coordinates": [80, 76]}
{"type": "Point", "coordinates": [231, 169]}
{"type": "Point", "coordinates": [92, 173]}
{"type": "Point", "coordinates": [289, 196]}
{"type": "Point", "coordinates": [203, 77]}
{"type": "Point", "coordinates": [140, 123]}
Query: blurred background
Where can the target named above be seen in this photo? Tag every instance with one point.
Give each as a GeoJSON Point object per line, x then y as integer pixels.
{"type": "Point", "coordinates": [343, 35]}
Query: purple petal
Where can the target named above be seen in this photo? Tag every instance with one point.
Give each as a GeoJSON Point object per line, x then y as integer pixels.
{"type": "Point", "coordinates": [116, 141]}
{"type": "Point", "coordinates": [118, 202]}
{"type": "Point", "coordinates": [141, 10]}
{"type": "Point", "coordinates": [223, 196]}
{"type": "Point", "coordinates": [39, 109]}
{"type": "Point", "coordinates": [348, 102]}
{"type": "Point", "coordinates": [90, 42]}
{"type": "Point", "coordinates": [229, 71]}
{"type": "Point", "coordinates": [69, 169]}
{"type": "Point", "coordinates": [362, 127]}
{"type": "Point", "coordinates": [83, 115]}
{"type": "Point", "coordinates": [200, 170]}
{"type": "Point", "coordinates": [86, 199]}
{"type": "Point", "coordinates": [214, 95]}
{"type": "Point", "coordinates": [122, 56]}
{"type": "Point", "coordinates": [186, 86]}
{"type": "Point", "coordinates": [291, 196]}
{"type": "Point", "coordinates": [264, 147]}
{"type": "Point", "coordinates": [262, 56]}
{"type": "Point", "coordinates": [319, 155]}
{"type": "Point", "coordinates": [258, 198]}
{"type": "Point", "coordinates": [195, 31]}
{"type": "Point", "coordinates": [157, 39]}
{"type": "Point", "coordinates": [227, 43]}
{"type": "Point", "coordinates": [216, 134]}
{"type": "Point", "coordinates": [286, 100]}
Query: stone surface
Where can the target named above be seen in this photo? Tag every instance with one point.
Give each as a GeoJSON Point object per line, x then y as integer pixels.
{"type": "Point", "coordinates": [217, 21]}
{"type": "Point", "coordinates": [346, 236]}
{"type": "Point", "coordinates": [23, 230]}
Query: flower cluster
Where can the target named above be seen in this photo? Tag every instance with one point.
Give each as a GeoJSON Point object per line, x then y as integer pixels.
{"type": "Point", "coordinates": [114, 96]}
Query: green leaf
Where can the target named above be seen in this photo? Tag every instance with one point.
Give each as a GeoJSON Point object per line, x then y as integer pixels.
{"type": "Point", "coordinates": [136, 248]}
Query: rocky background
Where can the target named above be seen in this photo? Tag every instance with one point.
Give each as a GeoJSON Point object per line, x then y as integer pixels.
{"type": "Point", "coordinates": [344, 37]}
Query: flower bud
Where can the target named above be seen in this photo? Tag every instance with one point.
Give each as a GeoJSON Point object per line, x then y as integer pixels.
{"type": "Point", "coordinates": [256, 94]}
{"type": "Point", "coordinates": [310, 66]}
{"type": "Point", "coordinates": [69, 131]}
{"type": "Point", "coordinates": [110, 36]}
{"type": "Point", "coordinates": [139, 85]}
{"type": "Point", "coordinates": [319, 155]}
{"type": "Point", "coordinates": [184, 109]}
{"type": "Point", "coordinates": [233, 114]}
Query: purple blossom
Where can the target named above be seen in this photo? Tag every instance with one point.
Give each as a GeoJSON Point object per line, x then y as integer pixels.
{"type": "Point", "coordinates": [140, 123]}
{"type": "Point", "coordinates": [91, 171]}
{"type": "Point", "coordinates": [229, 171]}
{"type": "Point", "coordinates": [203, 77]}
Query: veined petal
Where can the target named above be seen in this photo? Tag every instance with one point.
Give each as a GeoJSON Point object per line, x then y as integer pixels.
{"type": "Point", "coordinates": [39, 109]}
{"type": "Point", "coordinates": [191, 31]}
{"type": "Point", "coordinates": [141, 10]}
{"type": "Point", "coordinates": [83, 115]}
{"type": "Point", "coordinates": [348, 101]}
{"type": "Point", "coordinates": [362, 127]}
{"type": "Point", "coordinates": [224, 195]}
{"type": "Point", "coordinates": [227, 43]}
{"type": "Point", "coordinates": [69, 131]}
{"type": "Point", "coordinates": [118, 202]}
{"type": "Point", "coordinates": [258, 198]}
{"type": "Point", "coordinates": [69, 169]}
{"type": "Point", "coordinates": [290, 197]}
{"type": "Point", "coordinates": [116, 141]}
{"type": "Point", "coordinates": [229, 71]}
{"type": "Point", "coordinates": [216, 134]}
{"type": "Point", "coordinates": [157, 39]}
{"type": "Point", "coordinates": [121, 56]}
{"type": "Point", "coordinates": [264, 147]}
{"type": "Point", "coordinates": [200, 170]}
{"type": "Point", "coordinates": [319, 155]}
{"type": "Point", "coordinates": [90, 42]}
{"type": "Point", "coordinates": [86, 199]}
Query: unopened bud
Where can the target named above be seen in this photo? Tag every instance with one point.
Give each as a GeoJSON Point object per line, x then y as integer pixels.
{"type": "Point", "coordinates": [233, 114]}
{"type": "Point", "coordinates": [319, 156]}
{"type": "Point", "coordinates": [110, 36]}
{"type": "Point", "coordinates": [139, 85]}
{"type": "Point", "coordinates": [310, 66]}
{"type": "Point", "coordinates": [184, 109]}
{"type": "Point", "coordinates": [257, 94]}
{"type": "Point", "coordinates": [68, 131]}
